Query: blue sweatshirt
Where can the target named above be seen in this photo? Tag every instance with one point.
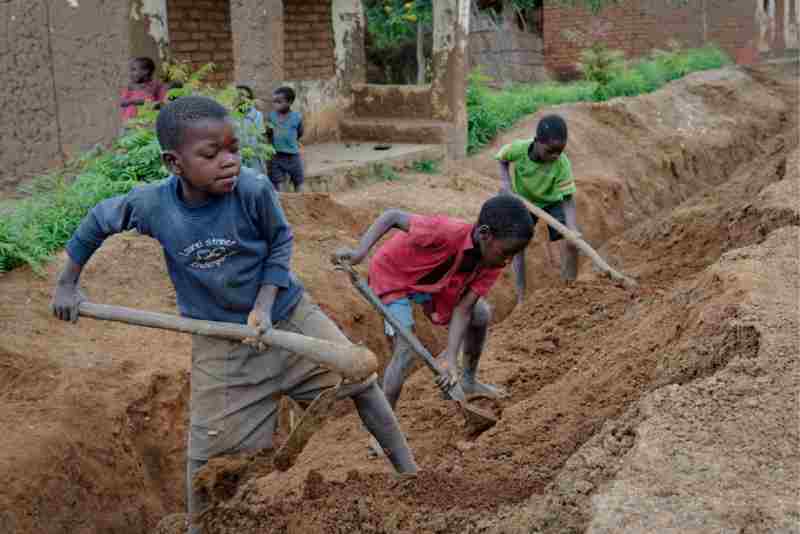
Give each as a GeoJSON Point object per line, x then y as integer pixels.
{"type": "Point", "coordinates": [218, 254]}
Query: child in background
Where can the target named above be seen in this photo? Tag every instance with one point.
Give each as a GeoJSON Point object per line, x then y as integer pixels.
{"type": "Point", "coordinates": [142, 87]}
{"type": "Point", "coordinates": [252, 125]}
{"type": "Point", "coordinates": [286, 130]}
{"type": "Point", "coordinates": [543, 176]}
{"type": "Point", "coordinates": [228, 250]}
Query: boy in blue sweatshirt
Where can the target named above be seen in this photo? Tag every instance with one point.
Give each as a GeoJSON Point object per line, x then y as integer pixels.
{"type": "Point", "coordinates": [227, 245]}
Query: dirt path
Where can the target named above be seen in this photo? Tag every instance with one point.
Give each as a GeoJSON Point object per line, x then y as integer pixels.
{"type": "Point", "coordinates": [684, 178]}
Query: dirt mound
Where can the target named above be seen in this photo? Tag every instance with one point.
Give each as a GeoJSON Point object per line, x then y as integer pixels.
{"type": "Point", "coordinates": [718, 453]}
{"type": "Point", "coordinates": [581, 361]}
{"type": "Point", "coordinates": [602, 380]}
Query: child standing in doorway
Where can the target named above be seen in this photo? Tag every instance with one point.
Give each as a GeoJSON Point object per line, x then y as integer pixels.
{"type": "Point", "coordinates": [142, 88]}
{"type": "Point", "coordinates": [286, 130]}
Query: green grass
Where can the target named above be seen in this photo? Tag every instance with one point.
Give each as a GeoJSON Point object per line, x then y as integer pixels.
{"type": "Point", "coordinates": [32, 230]}
{"type": "Point", "coordinates": [491, 112]}
{"type": "Point", "coordinates": [426, 166]}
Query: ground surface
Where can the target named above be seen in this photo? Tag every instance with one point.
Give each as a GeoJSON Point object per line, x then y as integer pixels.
{"type": "Point", "coordinates": [669, 408]}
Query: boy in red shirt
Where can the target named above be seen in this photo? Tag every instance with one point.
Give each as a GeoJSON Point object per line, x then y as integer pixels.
{"type": "Point", "coordinates": [447, 266]}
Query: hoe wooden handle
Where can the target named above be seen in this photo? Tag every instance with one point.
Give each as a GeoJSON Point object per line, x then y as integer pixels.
{"type": "Point", "coordinates": [351, 361]}
{"type": "Point", "coordinates": [585, 247]}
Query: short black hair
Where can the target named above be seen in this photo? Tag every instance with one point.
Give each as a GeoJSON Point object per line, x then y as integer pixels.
{"type": "Point", "coordinates": [247, 89]}
{"type": "Point", "coordinates": [507, 217]}
{"type": "Point", "coordinates": [177, 115]}
{"type": "Point", "coordinates": [287, 92]}
{"type": "Point", "coordinates": [147, 63]}
{"type": "Point", "coordinates": [551, 128]}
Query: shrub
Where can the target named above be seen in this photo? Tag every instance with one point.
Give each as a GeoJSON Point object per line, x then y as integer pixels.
{"type": "Point", "coordinates": [32, 230]}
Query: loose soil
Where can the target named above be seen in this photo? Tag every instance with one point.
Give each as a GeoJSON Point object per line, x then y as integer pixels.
{"type": "Point", "coordinates": [630, 410]}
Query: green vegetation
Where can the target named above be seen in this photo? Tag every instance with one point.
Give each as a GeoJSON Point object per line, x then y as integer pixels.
{"type": "Point", "coordinates": [426, 166]}
{"type": "Point", "coordinates": [607, 76]}
{"type": "Point", "coordinates": [32, 230]}
{"type": "Point", "coordinates": [383, 172]}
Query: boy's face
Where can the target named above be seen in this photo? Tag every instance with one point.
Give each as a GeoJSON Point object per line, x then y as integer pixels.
{"type": "Point", "coordinates": [208, 159]}
{"type": "Point", "coordinates": [497, 252]}
{"type": "Point", "coordinates": [280, 103]}
{"type": "Point", "coordinates": [548, 151]}
{"type": "Point", "coordinates": [137, 72]}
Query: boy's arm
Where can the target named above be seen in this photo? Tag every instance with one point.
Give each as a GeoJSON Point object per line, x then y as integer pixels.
{"type": "Point", "coordinates": [390, 219]}
{"type": "Point", "coordinates": [67, 297]}
{"type": "Point", "coordinates": [570, 212]}
{"type": "Point", "coordinates": [457, 329]}
{"type": "Point", "coordinates": [505, 156]}
{"type": "Point", "coordinates": [275, 271]}
{"type": "Point", "coordinates": [107, 218]}
{"type": "Point", "coordinates": [278, 234]}
{"type": "Point", "coordinates": [261, 316]}
{"type": "Point", "coordinates": [300, 129]}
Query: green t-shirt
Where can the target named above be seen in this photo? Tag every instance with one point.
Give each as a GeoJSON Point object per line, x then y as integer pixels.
{"type": "Point", "coordinates": [543, 184]}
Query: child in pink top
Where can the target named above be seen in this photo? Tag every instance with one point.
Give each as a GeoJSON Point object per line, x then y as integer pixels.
{"type": "Point", "coordinates": [142, 87]}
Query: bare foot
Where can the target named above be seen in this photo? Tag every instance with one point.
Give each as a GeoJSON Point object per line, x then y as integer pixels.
{"type": "Point", "coordinates": [478, 389]}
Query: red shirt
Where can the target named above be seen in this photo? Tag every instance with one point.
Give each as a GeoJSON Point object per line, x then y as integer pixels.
{"type": "Point", "coordinates": [400, 263]}
{"type": "Point", "coordinates": [154, 92]}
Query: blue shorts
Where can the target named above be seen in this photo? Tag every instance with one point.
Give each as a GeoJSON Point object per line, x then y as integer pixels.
{"type": "Point", "coordinates": [402, 311]}
{"type": "Point", "coordinates": [283, 166]}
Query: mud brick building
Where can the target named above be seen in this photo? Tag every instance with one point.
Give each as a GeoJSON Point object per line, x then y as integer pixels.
{"type": "Point", "coordinates": [747, 30]}
{"type": "Point", "coordinates": [63, 62]}
{"type": "Point", "coordinates": [539, 43]}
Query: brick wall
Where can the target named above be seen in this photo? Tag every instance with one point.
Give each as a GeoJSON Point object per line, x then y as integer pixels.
{"type": "Point", "coordinates": [638, 26]}
{"type": "Point", "coordinates": [200, 33]}
{"type": "Point", "coordinates": [308, 40]}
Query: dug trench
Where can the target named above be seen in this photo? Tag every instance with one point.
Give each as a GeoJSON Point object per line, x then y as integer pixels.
{"type": "Point", "coordinates": [692, 189]}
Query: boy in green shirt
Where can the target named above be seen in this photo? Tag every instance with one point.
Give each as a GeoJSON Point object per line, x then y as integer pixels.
{"type": "Point", "coordinates": [543, 176]}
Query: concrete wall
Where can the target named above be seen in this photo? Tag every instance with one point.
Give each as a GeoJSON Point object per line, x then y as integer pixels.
{"type": "Point", "coordinates": [148, 29]}
{"type": "Point", "coordinates": [504, 51]}
{"type": "Point", "coordinates": [511, 55]}
{"type": "Point", "coordinates": [743, 28]}
{"type": "Point", "coordinates": [62, 64]}
{"type": "Point", "coordinates": [200, 33]}
{"type": "Point", "coordinates": [451, 20]}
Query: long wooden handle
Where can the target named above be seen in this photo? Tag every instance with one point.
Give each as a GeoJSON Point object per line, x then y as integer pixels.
{"type": "Point", "coordinates": [454, 392]}
{"type": "Point", "coordinates": [370, 296]}
{"type": "Point", "coordinates": [351, 361]}
{"type": "Point", "coordinates": [587, 249]}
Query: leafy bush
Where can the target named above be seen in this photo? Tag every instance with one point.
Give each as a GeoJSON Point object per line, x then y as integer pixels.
{"type": "Point", "coordinates": [607, 76]}
{"type": "Point", "coordinates": [32, 230]}
{"type": "Point", "coordinates": [600, 64]}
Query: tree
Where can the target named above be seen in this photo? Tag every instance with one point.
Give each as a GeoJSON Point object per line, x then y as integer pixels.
{"type": "Point", "coordinates": [393, 23]}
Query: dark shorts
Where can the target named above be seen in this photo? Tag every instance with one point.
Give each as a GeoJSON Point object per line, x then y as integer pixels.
{"type": "Point", "coordinates": [284, 165]}
{"type": "Point", "coordinates": [557, 212]}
